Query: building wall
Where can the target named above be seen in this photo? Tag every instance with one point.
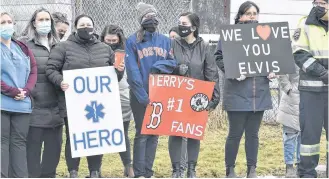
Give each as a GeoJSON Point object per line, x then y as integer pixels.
{"type": "Point", "coordinates": [277, 10]}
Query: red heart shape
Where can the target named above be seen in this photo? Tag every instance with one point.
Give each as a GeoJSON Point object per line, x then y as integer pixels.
{"type": "Point", "coordinates": [264, 31]}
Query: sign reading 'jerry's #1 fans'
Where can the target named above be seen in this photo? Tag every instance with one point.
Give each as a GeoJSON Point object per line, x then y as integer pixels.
{"type": "Point", "coordinates": [178, 106]}
{"type": "Point", "coordinates": [257, 49]}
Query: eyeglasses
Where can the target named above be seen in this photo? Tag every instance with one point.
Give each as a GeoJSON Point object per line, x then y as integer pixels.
{"type": "Point", "coordinates": [321, 4]}
{"type": "Point", "coordinates": [249, 14]}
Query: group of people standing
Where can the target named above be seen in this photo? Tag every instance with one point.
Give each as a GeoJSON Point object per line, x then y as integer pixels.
{"type": "Point", "coordinates": [33, 109]}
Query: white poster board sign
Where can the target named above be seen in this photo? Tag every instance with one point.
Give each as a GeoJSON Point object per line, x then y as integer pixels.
{"type": "Point", "coordinates": [94, 111]}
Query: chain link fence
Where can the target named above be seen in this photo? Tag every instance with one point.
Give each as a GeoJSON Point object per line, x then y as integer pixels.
{"type": "Point", "coordinates": [124, 14]}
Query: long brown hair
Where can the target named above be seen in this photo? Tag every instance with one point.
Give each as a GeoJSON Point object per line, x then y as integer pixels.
{"type": "Point", "coordinates": [30, 30]}
{"type": "Point", "coordinates": [114, 29]}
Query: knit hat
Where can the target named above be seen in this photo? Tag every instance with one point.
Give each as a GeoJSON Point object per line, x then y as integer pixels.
{"type": "Point", "coordinates": [144, 9]}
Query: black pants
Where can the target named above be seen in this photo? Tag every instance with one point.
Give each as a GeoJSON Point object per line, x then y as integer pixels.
{"type": "Point", "coordinates": [52, 140]}
{"type": "Point", "coordinates": [14, 131]}
{"type": "Point", "coordinates": [94, 162]}
{"type": "Point", "coordinates": [184, 157]}
{"type": "Point", "coordinates": [175, 149]}
{"type": "Point", "coordinates": [125, 156]}
{"type": "Point", "coordinates": [313, 116]}
{"type": "Point", "coordinates": [144, 145]}
{"type": "Point", "coordinates": [240, 122]}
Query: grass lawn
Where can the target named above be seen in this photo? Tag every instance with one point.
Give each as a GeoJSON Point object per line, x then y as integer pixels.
{"type": "Point", "coordinates": [211, 158]}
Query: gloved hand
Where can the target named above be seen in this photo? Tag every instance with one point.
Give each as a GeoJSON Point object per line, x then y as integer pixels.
{"type": "Point", "coordinates": [324, 78]}
{"type": "Point", "coordinates": [182, 69]}
{"type": "Point", "coordinates": [212, 105]}
{"type": "Point", "coordinates": [271, 76]}
{"type": "Point", "coordinates": [241, 78]}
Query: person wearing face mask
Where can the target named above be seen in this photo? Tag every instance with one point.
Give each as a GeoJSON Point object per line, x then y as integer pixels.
{"type": "Point", "coordinates": [195, 61]}
{"type": "Point", "coordinates": [245, 100]}
{"type": "Point", "coordinates": [81, 50]}
{"type": "Point", "coordinates": [310, 48]}
{"type": "Point", "coordinates": [173, 32]}
{"type": "Point", "coordinates": [113, 36]}
{"type": "Point", "coordinates": [146, 51]}
{"type": "Point", "coordinates": [18, 79]}
{"type": "Point", "coordinates": [62, 25]}
{"type": "Point", "coordinates": [46, 124]}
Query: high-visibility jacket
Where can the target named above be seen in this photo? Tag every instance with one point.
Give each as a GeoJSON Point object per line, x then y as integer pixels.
{"type": "Point", "coordinates": [310, 48]}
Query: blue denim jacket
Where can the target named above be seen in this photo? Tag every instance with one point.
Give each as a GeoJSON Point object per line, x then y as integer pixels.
{"type": "Point", "coordinates": [15, 70]}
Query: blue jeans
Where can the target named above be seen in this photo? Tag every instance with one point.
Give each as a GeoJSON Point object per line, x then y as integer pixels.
{"type": "Point", "coordinates": [144, 145]}
{"type": "Point", "coordinates": [291, 145]}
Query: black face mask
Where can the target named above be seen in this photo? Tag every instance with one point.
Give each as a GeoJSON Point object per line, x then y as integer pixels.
{"type": "Point", "coordinates": [61, 36]}
{"type": "Point", "coordinates": [115, 46]}
{"type": "Point", "coordinates": [184, 31]}
{"type": "Point", "coordinates": [150, 25]}
{"type": "Point", "coordinates": [248, 22]}
{"type": "Point", "coordinates": [319, 11]}
{"type": "Point", "coordinates": [84, 33]}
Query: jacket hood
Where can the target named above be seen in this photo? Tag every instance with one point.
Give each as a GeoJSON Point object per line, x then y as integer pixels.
{"type": "Point", "coordinates": [313, 20]}
{"type": "Point", "coordinates": [184, 44]}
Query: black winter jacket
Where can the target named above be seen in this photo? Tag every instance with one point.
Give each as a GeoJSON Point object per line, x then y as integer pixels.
{"type": "Point", "coordinates": [201, 63]}
{"type": "Point", "coordinates": [251, 94]}
{"type": "Point", "coordinates": [76, 53]}
{"type": "Point", "coordinates": [45, 113]}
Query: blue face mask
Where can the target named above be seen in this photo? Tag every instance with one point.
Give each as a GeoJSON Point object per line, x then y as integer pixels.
{"type": "Point", "coordinates": [7, 31]}
{"type": "Point", "coordinates": [43, 28]}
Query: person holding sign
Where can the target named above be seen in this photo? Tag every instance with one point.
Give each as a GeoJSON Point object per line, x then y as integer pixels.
{"type": "Point", "coordinates": [145, 50]}
{"type": "Point", "coordinates": [81, 50]}
{"type": "Point", "coordinates": [245, 100]}
{"type": "Point", "coordinates": [195, 61]}
{"type": "Point", "coordinates": [174, 33]}
{"type": "Point", "coordinates": [46, 126]}
{"type": "Point", "coordinates": [113, 36]}
{"type": "Point", "coordinates": [310, 44]}
{"type": "Point", "coordinates": [18, 79]}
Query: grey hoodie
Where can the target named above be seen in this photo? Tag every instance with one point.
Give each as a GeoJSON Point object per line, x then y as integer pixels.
{"type": "Point", "coordinates": [201, 63]}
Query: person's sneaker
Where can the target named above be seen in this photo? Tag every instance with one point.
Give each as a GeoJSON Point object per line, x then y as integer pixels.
{"type": "Point", "coordinates": [74, 174]}
{"type": "Point", "coordinates": [182, 172]}
{"type": "Point", "coordinates": [297, 170]}
{"type": "Point", "coordinates": [290, 171]}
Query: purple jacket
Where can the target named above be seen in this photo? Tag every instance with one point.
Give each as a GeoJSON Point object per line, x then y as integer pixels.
{"type": "Point", "coordinates": [13, 91]}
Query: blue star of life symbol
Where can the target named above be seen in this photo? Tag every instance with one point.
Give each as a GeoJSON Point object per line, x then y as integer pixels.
{"type": "Point", "coordinates": [94, 111]}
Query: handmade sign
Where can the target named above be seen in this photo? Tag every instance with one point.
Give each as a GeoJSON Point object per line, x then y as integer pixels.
{"type": "Point", "coordinates": [257, 49]}
{"type": "Point", "coordinates": [94, 111]}
{"type": "Point", "coordinates": [178, 106]}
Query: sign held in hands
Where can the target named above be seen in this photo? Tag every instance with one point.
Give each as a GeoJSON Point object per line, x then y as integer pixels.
{"type": "Point", "coordinates": [178, 106]}
{"type": "Point", "coordinates": [257, 49]}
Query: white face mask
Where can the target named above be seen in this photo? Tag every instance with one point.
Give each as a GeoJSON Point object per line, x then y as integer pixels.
{"type": "Point", "coordinates": [43, 28]}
